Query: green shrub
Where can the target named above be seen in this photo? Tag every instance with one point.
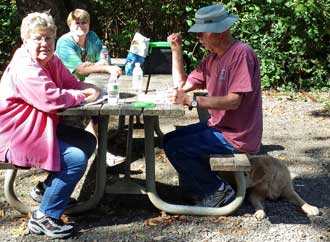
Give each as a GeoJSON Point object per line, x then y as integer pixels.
{"type": "Point", "coordinates": [290, 37]}
{"type": "Point", "coordinates": [9, 31]}
{"type": "Point", "coordinates": [119, 20]}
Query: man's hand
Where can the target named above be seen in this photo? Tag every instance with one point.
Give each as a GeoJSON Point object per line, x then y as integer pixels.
{"type": "Point", "coordinates": [175, 41]}
{"type": "Point", "coordinates": [180, 97]}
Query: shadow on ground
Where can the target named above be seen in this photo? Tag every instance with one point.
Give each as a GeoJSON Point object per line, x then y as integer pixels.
{"type": "Point", "coordinates": [123, 209]}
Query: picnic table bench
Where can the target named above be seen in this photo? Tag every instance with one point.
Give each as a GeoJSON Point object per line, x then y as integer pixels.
{"type": "Point", "coordinates": [235, 163]}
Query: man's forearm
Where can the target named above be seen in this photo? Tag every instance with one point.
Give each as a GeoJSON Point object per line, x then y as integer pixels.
{"type": "Point", "coordinates": [229, 102]}
{"type": "Point", "coordinates": [178, 74]}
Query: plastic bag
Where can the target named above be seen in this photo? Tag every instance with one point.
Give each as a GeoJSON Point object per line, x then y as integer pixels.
{"type": "Point", "coordinates": [137, 52]}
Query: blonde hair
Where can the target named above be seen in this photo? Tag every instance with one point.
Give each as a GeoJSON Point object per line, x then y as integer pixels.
{"type": "Point", "coordinates": [35, 22]}
{"type": "Point", "coordinates": [77, 14]}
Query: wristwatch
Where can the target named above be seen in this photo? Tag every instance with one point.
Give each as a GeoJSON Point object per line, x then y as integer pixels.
{"type": "Point", "coordinates": [193, 103]}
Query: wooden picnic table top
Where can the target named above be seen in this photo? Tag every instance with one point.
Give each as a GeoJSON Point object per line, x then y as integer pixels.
{"type": "Point", "coordinates": [127, 97]}
{"type": "Point", "coordinates": [81, 110]}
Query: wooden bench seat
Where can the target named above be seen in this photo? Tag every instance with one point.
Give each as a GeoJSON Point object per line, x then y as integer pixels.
{"type": "Point", "coordinates": [230, 162]}
{"type": "Point", "coordinates": [6, 165]}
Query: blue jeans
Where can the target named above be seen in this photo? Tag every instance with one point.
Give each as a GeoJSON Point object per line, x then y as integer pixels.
{"type": "Point", "coordinates": [188, 149]}
{"type": "Point", "coordinates": [76, 146]}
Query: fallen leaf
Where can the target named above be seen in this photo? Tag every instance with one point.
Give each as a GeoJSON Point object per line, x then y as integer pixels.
{"type": "Point", "coordinates": [150, 223]}
{"type": "Point", "coordinates": [34, 179]}
{"type": "Point", "coordinates": [20, 231]}
{"type": "Point", "coordinates": [66, 219]}
{"type": "Point", "coordinates": [2, 213]}
{"type": "Point", "coordinates": [163, 218]}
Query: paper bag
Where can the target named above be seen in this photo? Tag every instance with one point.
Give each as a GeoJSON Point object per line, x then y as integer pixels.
{"type": "Point", "coordinates": [137, 52]}
{"type": "Point", "coordinates": [139, 45]}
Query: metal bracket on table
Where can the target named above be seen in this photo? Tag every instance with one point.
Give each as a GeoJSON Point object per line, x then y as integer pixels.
{"type": "Point", "coordinates": [121, 125]}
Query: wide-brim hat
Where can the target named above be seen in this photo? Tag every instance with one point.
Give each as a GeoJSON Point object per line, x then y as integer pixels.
{"type": "Point", "coordinates": [213, 18]}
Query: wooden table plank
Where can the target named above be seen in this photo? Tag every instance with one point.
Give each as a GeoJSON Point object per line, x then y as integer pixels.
{"type": "Point", "coordinates": [84, 110]}
{"type": "Point", "coordinates": [230, 162]}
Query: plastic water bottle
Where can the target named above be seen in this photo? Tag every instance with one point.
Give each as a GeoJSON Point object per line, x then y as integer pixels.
{"type": "Point", "coordinates": [104, 55]}
{"type": "Point", "coordinates": [113, 89]}
{"type": "Point", "coordinates": [137, 80]}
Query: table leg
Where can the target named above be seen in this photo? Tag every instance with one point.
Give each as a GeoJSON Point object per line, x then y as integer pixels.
{"type": "Point", "coordinates": [100, 169]}
{"type": "Point", "coordinates": [158, 131]}
{"type": "Point", "coordinates": [126, 185]}
{"type": "Point", "coordinates": [121, 123]}
{"type": "Point", "coordinates": [129, 144]}
{"type": "Point", "coordinates": [149, 122]}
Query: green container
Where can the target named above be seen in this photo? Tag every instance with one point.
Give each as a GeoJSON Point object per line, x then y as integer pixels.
{"type": "Point", "coordinates": [159, 44]}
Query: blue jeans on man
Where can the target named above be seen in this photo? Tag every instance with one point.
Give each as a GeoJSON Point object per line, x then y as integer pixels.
{"type": "Point", "coordinates": [188, 149]}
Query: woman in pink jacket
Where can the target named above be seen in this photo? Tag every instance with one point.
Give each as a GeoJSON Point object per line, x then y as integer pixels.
{"type": "Point", "coordinates": [33, 87]}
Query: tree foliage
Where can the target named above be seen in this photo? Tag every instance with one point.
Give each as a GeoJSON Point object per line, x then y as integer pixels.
{"type": "Point", "coordinates": [290, 37]}
{"type": "Point", "coordinates": [9, 31]}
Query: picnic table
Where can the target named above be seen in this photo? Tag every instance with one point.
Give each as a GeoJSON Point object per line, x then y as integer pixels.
{"type": "Point", "coordinates": [151, 123]}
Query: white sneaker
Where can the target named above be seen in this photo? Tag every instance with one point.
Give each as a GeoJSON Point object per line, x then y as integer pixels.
{"type": "Point", "coordinates": [54, 228]}
{"type": "Point", "coordinates": [113, 160]}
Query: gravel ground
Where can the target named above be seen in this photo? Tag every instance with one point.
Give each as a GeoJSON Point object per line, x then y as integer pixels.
{"type": "Point", "coordinates": [296, 130]}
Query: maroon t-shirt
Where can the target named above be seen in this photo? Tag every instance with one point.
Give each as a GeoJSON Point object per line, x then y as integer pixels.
{"type": "Point", "coordinates": [237, 71]}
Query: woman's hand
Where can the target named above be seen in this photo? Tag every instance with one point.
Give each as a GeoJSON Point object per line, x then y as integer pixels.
{"type": "Point", "coordinates": [86, 64]}
{"type": "Point", "coordinates": [113, 69]}
{"type": "Point", "coordinates": [91, 94]}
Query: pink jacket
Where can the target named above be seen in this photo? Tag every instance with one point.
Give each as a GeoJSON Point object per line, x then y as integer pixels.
{"type": "Point", "coordinates": [30, 96]}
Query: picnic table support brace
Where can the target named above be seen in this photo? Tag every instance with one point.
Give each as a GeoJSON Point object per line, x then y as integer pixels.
{"type": "Point", "coordinates": [10, 195]}
{"type": "Point", "coordinates": [149, 122]}
{"type": "Point", "coordinates": [101, 170]}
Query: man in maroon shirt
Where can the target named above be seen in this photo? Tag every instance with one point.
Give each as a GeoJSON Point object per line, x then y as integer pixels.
{"type": "Point", "coordinates": [231, 75]}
